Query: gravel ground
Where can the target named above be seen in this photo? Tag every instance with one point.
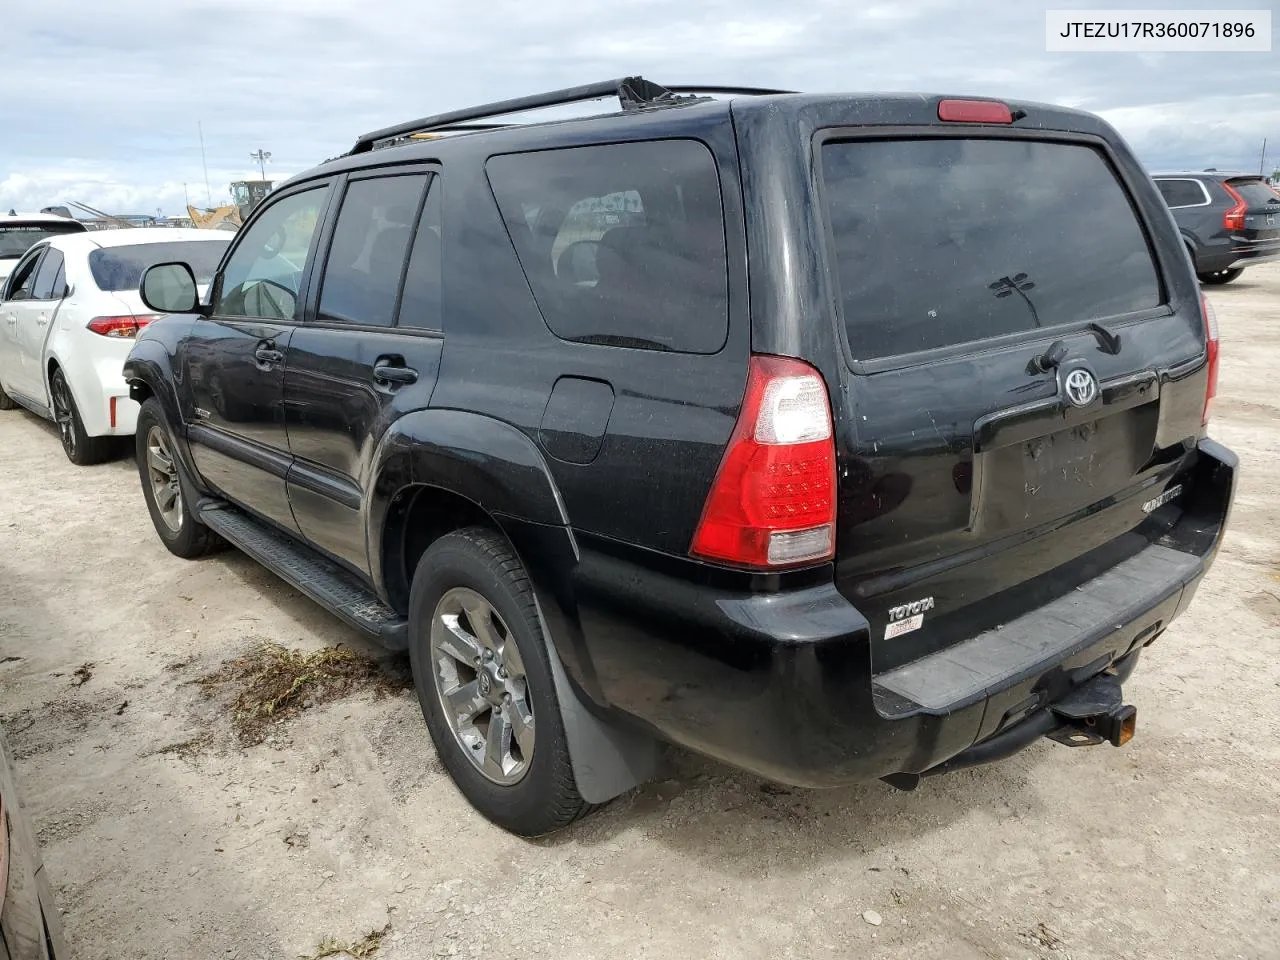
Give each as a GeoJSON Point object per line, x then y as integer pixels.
{"type": "Point", "coordinates": [166, 839]}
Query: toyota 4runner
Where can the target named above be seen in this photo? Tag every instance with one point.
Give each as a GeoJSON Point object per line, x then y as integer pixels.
{"type": "Point", "coordinates": [835, 437]}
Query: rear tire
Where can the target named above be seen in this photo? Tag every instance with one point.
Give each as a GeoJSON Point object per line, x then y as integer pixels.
{"type": "Point", "coordinates": [521, 777]}
{"type": "Point", "coordinates": [80, 448]}
{"type": "Point", "coordinates": [7, 402]}
{"type": "Point", "coordinates": [1220, 277]}
{"type": "Point", "coordinates": [163, 489]}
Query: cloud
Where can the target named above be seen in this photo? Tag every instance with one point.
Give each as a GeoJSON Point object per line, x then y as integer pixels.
{"type": "Point", "coordinates": [102, 101]}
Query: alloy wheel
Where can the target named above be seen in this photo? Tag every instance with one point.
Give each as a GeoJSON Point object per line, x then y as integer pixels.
{"type": "Point", "coordinates": [163, 476]}
{"type": "Point", "coordinates": [480, 680]}
{"type": "Point", "coordinates": [63, 416]}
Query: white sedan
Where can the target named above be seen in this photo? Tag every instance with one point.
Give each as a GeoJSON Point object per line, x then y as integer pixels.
{"type": "Point", "coordinates": [69, 312]}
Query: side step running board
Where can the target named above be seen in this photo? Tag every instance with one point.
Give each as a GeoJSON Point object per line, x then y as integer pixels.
{"type": "Point", "coordinates": [326, 583]}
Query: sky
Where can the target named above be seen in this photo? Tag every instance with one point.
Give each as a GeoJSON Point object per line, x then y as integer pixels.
{"type": "Point", "coordinates": [103, 103]}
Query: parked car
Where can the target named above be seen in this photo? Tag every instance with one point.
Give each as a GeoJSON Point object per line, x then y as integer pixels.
{"type": "Point", "coordinates": [1228, 221]}
{"type": "Point", "coordinates": [68, 316]}
{"type": "Point", "coordinates": [30, 925]}
{"type": "Point", "coordinates": [20, 231]}
{"type": "Point", "coordinates": [835, 437]}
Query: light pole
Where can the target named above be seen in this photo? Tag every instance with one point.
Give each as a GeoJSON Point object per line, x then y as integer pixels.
{"type": "Point", "coordinates": [262, 158]}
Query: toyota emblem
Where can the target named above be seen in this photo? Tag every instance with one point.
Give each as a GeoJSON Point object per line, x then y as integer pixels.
{"type": "Point", "coordinates": [1081, 387]}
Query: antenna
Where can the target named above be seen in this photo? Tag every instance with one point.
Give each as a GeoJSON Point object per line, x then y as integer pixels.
{"type": "Point", "coordinates": [207, 192]}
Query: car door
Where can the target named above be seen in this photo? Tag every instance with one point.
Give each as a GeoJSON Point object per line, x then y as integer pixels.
{"type": "Point", "coordinates": [235, 356]}
{"type": "Point", "coordinates": [18, 312]}
{"type": "Point", "coordinates": [36, 320]}
{"type": "Point", "coordinates": [368, 353]}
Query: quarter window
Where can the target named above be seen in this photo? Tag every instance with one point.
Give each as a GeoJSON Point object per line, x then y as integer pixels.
{"type": "Point", "coordinates": [623, 244]}
{"type": "Point", "coordinates": [264, 272]}
{"type": "Point", "coordinates": [1181, 193]}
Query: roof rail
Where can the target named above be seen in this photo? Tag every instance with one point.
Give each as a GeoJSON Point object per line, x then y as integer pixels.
{"type": "Point", "coordinates": [728, 91]}
{"type": "Point", "coordinates": [633, 93]}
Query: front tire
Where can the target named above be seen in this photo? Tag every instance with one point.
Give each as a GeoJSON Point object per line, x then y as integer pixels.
{"type": "Point", "coordinates": [7, 402]}
{"type": "Point", "coordinates": [80, 448]}
{"type": "Point", "coordinates": [483, 678]}
{"type": "Point", "coordinates": [162, 488]}
{"type": "Point", "coordinates": [1219, 277]}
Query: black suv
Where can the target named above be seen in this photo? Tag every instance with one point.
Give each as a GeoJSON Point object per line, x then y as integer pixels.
{"type": "Point", "coordinates": [834, 437]}
{"type": "Point", "coordinates": [1228, 221]}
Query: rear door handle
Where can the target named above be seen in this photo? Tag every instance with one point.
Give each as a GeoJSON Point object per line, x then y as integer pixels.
{"type": "Point", "coordinates": [266, 353]}
{"type": "Point", "coordinates": [387, 370]}
{"type": "Point", "coordinates": [42, 319]}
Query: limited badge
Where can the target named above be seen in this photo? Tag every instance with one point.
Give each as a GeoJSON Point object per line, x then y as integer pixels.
{"type": "Point", "coordinates": [1160, 501]}
{"type": "Point", "coordinates": [907, 617]}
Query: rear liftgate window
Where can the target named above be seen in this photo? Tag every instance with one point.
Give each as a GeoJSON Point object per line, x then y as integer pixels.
{"type": "Point", "coordinates": [623, 244]}
{"type": "Point", "coordinates": [941, 242]}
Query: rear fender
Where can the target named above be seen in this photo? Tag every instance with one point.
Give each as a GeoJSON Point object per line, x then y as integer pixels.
{"type": "Point", "coordinates": [501, 471]}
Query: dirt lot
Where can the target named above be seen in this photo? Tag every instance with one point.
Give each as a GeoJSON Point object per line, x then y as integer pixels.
{"type": "Point", "coordinates": [167, 839]}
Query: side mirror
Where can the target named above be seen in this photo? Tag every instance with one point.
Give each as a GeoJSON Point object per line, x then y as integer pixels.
{"type": "Point", "coordinates": [169, 288]}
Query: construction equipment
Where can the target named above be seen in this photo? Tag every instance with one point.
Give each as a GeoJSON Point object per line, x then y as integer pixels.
{"type": "Point", "coordinates": [245, 195]}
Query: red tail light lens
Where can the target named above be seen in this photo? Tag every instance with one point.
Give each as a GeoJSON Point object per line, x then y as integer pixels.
{"type": "Point", "coordinates": [120, 326]}
{"type": "Point", "coordinates": [1233, 219]}
{"type": "Point", "coordinates": [773, 500]}
{"type": "Point", "coordinates": [974, 111]}
{"type": "Point", "coordinates": [1211, 344]}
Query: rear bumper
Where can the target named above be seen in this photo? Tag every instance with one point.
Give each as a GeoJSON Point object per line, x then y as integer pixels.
{"type": "Point", "coordinates": [781, 684]}
{"type": "Point", "coordinates": [1237, 254]}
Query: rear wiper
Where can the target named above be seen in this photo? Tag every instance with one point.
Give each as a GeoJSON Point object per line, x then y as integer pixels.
{"type": "Point", "coordinates": [1057, 352]}
{"type": "Point", "coordinates": [1110, 342]}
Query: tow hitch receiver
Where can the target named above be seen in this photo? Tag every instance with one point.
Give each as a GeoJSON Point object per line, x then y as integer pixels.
{"type": "Point", "coordinates": [1093, 713]}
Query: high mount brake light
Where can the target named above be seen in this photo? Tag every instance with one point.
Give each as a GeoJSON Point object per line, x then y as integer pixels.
{"type": "Point", "coordinates": [974, 111]}
{"type": "Point", "coordinates": [772, 503]}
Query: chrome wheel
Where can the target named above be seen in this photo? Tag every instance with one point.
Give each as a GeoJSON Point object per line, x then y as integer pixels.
{"type": "Point", "coordinates": [480, 680]}
{"type": "Point", "coordinates": [62, 413]}
{"type": "Point", "coordinates": [163, 476]}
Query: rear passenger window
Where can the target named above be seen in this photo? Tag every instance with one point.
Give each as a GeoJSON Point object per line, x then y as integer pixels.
{"type": "Point", "coordinates": [623, 244]}
{"type": "Point", "coordinates": [420, 303]}
{"type": "Point", "coordinates": [367, 257]}
{"type": "Point", "coordinates": [1181, 193]}
{"type": "Point", "coordinates": [944, 241]}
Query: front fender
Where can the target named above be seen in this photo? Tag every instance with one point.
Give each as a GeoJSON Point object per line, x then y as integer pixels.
{"type": "Point", "coordinates": [154, 368]}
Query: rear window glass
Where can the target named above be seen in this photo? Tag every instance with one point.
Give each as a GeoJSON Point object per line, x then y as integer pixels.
{"type": "Point", "coordinates": [947, 241]}
{"type": "Point", "coordinates": [120, 268]}
{"type": "Point", "coordinates": [17, 240]}
{"type": "Point", "coordinates": [1256, 193]}
{"type": "Point", "coordinates": [1182, 193]}
{"type": "Point", "coordinates": [623, 244]}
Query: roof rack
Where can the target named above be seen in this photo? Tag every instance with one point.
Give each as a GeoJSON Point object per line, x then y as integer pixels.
{"type": "Point", "coordinates": [633, 93]}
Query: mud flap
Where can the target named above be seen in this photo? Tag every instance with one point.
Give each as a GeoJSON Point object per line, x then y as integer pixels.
{"type": "Point", "coordinates": [608, 760]}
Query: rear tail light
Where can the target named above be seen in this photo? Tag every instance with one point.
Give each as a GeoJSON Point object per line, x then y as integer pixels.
{"type": "Point", "coordinates": [974, 111]}
{"type": "Point", "coordinates": [1233, 219]}
{"type": "Point", "coordinates": [120, 326]}
{"type": "Point", "coordinates": [1211, 344]}
{"type": "Point", "coordinates": [773, 500]}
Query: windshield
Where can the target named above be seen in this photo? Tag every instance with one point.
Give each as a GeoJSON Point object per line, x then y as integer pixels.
{"type": "Point", "coordinates": [120, 268]}
{"type": "Point", "coordinates": [18, 239]}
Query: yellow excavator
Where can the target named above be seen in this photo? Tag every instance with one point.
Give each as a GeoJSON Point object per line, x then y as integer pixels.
{"type": "Point", "coordinates": [245, 195]}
